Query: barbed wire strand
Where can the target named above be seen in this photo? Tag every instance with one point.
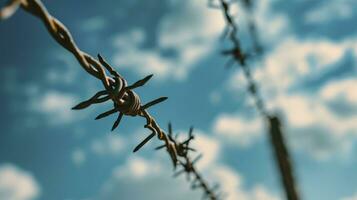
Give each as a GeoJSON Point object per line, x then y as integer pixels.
{"type": "Point", "coordinates": [275, 131]}
{"type": "Point", "coordinates": [125, 100]}
{"type": "Point", "coordinates": [188, 165]}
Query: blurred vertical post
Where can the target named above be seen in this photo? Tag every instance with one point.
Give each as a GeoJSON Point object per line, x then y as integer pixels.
{"type": "Point", "coordinates": [282, 158]}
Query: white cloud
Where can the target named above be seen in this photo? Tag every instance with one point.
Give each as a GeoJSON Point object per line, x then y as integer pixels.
{"type": "Point", "coordinates": [66, 73]}
{"type": "Point", "coordinates": [274, 25]}
{"type": "Point", "coordinates": [148, 177]}
{"type": "Point", "coordinates": [190, 30]}
{"type": "Point", "coordinates": [316, 129]}
{"type": "Point", "coordinates": [293, 60]}
{"type": "Point", "coordinates": [237, 129]}
{"type": "Point", "coordinates": [210, 148]}
{"type": "Point", "coordinates": [139, 168]}
{"type": "Point", "coordinates": [144, 61]}
{"type": "Point", "coordinates": [312, 124]}
{"type": "Point", "coordinates": [340, 90]}
{"type": "Point", "coordinates": [151, 178]}
{"type": "Point", "coordinates": [140, 178]}
{"type": "Point", "coordinates": [232, 183]}
{"type": "Point", "coordinates": [108, 145]}
{"type": "Point", "coordinates": [55, 105]}
{"type": "Point", "coordinates": [331, 11]}
{"type": "Point", "coordinates": [354, 197]}
{"type": "Point", "coordinates": [78, 157]}
{"type": "Point", "coordinates": [16, 184]}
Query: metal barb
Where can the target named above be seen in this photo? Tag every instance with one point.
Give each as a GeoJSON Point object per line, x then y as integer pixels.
{"type": "Point", "coordinates": [143, 142]}
{"type": "Point", "coordinates": [151, 103]}
{"type": "Point", "coordinates": [107, 113]}
{"type": "Point", "coordinates": [116, 123]}
{"type": "Point", "coordinates": [188, 166]}
{"type": "Point", "coordinates": [140, 82]}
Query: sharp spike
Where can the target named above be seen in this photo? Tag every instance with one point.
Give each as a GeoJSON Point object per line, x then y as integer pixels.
{"type": "Point", "coordinates": [107, 113]}
{"type": "Point", "coordinates": [191, 149]}
{"type": "Point", "coordinates": [170, 129]}
{"type": "Point", "coordinates": [139, 83]}
{"type": "Point", "coordinates": [172, 139]}
{"type": "Point", "coordinates": [144, 142]}
{"type": "Point", "coordinates": [82, 105]}
{"type": "Point", "coordinates": [187, 141]}
{"type": "Point", "coordinates": [190, 137]}
{"type": "Point", "coordinates": [94, 99]}
{"type": "Point", "coordinates": [116, 123]}
{"type": "Point", "coordinates": [190, 131]}
{"type": "Point", "coordinates": [178, 173]}
{"type": "Point", "coordinates": [160, 147]}
{"type": "Point", "coordinates": [151, 103]}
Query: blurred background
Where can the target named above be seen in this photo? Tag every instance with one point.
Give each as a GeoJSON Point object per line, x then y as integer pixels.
{"type": "Point", "coordinates": [307, 75]}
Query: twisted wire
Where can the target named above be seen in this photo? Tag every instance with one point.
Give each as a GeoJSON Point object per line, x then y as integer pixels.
{"type": "Point", "coordinates": [189, 168]}
{"type": "Point", "coordinates": [125, 100]}
{"type": "Point", "coordinates": [275, 131]}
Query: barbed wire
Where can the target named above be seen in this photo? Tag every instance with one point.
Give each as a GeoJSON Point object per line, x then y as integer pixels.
{"type": "Point", "coordinates": [238, 55]}
{"type": "Point", "coordinates": [188, 165]}
{"type": "Point", "coordinates": [125, 101]}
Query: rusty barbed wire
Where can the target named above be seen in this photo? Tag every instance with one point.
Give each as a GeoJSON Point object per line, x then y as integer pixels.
{"type": "Point", "coordinates": [188, 165]}
{"type": "Point", "coordinates": [237, 54]}
{"type": "Point", "coordinates": [125, 101]}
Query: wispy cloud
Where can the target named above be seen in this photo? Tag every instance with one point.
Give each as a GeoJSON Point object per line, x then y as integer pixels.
{"type": "Point", "coordinates": [17, 184]}
{"type": "Point", "coordinates": [190, 31]}
{"type": "Point", "coordinates": [330, 11]}
{"type": "Point", "coordinates": [237, 129]}
{"type": "Point", "coordinates": [317, 123]}
{"type": "Point", "coordinates": [233, 183]}
{"type": "Point", "coordinates": [148, 175]}
{"type": "Point", "coordinates": [56, 106]}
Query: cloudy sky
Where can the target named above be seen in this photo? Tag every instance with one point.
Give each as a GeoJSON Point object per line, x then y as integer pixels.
{"type": "Point", "coordinates": [307, 75]}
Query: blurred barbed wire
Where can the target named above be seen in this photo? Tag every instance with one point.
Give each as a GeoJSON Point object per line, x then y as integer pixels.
{"type": "Point", "coordinates": [240, 56]}
{"type": "Point", "coordinates": [125, 101]}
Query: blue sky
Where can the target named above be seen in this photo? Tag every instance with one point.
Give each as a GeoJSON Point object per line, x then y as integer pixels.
{"type": "Point", "coordinates": [307, 75]}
